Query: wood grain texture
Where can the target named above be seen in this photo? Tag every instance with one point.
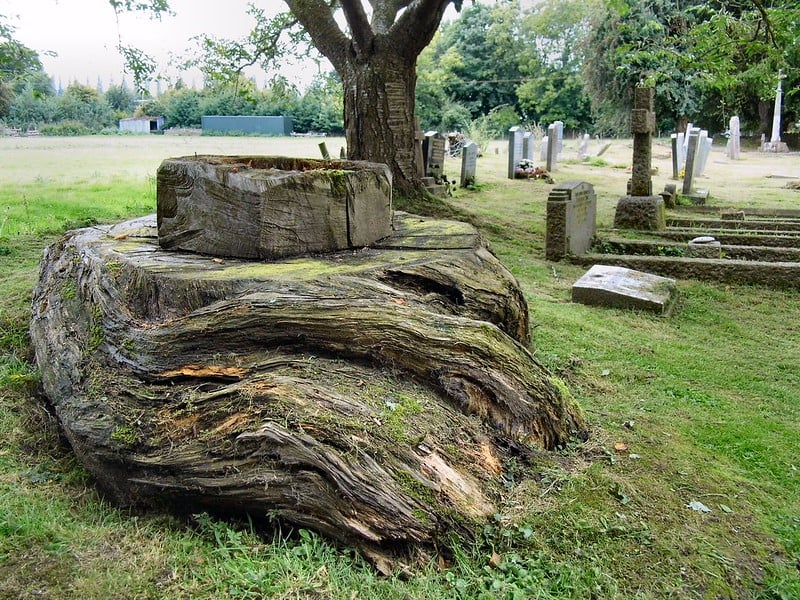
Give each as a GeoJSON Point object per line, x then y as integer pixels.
{"type": "Point", "coordinates": [373, 395]}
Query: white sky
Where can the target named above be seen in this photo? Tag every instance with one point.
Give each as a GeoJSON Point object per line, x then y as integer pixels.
{"type": "Point", "coordinates": [85, 34]}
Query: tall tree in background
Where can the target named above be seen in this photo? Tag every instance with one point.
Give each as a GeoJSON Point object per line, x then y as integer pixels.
{"type": "Point", "coordinates": [376, 61]}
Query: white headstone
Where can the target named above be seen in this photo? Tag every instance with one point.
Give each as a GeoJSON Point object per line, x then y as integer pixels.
{"type": "Point", "coordinates": [776, 117]}
{"type": "Point", "coordinates": [543, 149]}
{"type": "Point", "coordinates": [734, 140]}
{"type": "Point", "coordinates": [583, 150]}
{"type": "Point", "coordinates": [469, 161]}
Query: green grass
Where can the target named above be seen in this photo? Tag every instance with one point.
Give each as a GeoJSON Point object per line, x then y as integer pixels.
{"type": "Point", "coordinates": [705, 402]}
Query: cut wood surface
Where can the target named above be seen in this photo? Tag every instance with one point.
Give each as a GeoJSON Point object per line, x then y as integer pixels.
{"type": "Point", "coordinates": [373, 395]}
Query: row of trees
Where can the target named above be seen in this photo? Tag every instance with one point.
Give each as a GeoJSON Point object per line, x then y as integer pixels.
{"type": "Point", "coordinates": [30, 101]}
{"type": "Point", "coordinates": [578, 61]}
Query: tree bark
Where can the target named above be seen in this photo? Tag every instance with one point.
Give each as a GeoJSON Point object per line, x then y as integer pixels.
{"type": "Point", "coordinates": [377, 64]}
{"type": "Point", "coordinates": [376, 396]}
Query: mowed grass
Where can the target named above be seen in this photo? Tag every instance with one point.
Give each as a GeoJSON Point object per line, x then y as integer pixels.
{"type": "Point", "coordinates": [701, 407]}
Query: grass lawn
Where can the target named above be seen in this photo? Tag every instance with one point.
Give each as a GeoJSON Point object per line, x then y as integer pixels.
{"type": "Point", "coordinates": [701, 409]}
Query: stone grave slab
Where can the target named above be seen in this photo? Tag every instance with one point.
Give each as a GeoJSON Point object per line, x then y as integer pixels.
{"type": "Point", "coordinates": [618, 287]}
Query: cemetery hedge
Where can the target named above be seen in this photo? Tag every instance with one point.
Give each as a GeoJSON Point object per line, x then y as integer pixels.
{"type": "Point", "coordinates": [697, 408]}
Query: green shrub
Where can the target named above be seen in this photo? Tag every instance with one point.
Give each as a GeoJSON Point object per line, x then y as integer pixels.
{"type": "Point", "coordinates": [65, 128]}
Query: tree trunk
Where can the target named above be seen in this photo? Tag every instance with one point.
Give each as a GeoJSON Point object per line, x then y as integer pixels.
{"type": "Point", "coordinates": [375, 395]}
{"type": "Point", "coordinates": [379, 110]}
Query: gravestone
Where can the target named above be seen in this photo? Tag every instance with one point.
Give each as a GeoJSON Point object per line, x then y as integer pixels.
{"type": "Point", "coordinates": [693, 137]}
{"type": "Point", "coordinates": [418, 154]}
{"type": "Point", "coordinates": [323, 148]}
{"type": "Point", "coordinates": [618, 287]}
{"type": "Point", "coordinates": [733, 147]}
{"type": "Point", "coordinates": [676, 156]}
{"type": "Point", "coordinates": [543, 149]}
{"type": "Point", "coordinates": [552, 147]}
{"type": "Point", "coordinates": [433, 154]}
{"type": "Point", "coordinates": [603, 148]}
{"type": "Point", "coordinates": [571, 219]}
{"type": "Point", "coordinates": [514, 149]}
{"type": "Point", "coordinates": [775, 144]}
{"type": "Point", "coordinates": [469, 162]}
{"type": "Point", "coordinates": [703, 151]}
{"type": "Point", "coordinates": [640, 209]}
{"type": "Point", "coordinates": [681, 152]}
{"type": "Point", "coordinates": [691, 169]}
{"type": "Point", "coordinates": [527, 146]}
{"type": "Point", "coordinates": [559, 126]}
{"type": "Point", "coordinates": [583, 150]}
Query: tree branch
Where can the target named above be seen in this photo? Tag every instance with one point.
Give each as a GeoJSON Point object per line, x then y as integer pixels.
{"type": "Point", "coordinates": [316, 16]}
{"type": "Point", "coordinates": [360, 28]}
{"type": "Point", "coordinates": [413, 31]}
{"type": "Point", "coordinates": [384, 13]}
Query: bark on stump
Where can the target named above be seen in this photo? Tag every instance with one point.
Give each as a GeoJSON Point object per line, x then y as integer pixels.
{"type": "Point", "coordinates": [371, 395]}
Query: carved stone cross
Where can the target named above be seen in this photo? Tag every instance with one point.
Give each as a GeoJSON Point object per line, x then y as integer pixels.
{"type": "Point", "coordinates": [643, 124]}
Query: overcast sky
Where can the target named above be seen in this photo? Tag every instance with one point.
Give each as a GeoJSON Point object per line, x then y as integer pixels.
{"type": "Point", "coordinates": [85, 34]}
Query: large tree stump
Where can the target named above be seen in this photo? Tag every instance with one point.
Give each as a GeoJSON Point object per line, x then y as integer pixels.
{"type": "Point", "coordinates": [372, 395]}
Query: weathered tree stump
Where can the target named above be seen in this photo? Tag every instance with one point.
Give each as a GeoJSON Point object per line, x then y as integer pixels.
{"type": "Point", "coordinates": [271, 206]}
{"type": "Point", "coordinates": [372, 395]}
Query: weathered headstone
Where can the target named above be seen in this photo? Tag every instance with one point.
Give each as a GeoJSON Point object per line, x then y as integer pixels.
{"type": "Point", "coordinates": [681, 152]}
{"type": "Point", "coordinates": [676, 156]}
{"type": "Point", "coordinates": [552, 147]}
{"type": "Point", "coordinates": [733, 147]}
{"type": "Point", "coordinates": [618, 287]}
{"type": "Point", "coordinates": [571, 219]}
{"type": "Point", "coordinates": [527, 145]}
{"type": "Point", "coordinates": [543, 149]}
{"type": "Point", "coordinates": [514, 149]}
{"type": "Point", "coordinates": [603, 148]}
{"type": "Point", "coordinates": [703, 152]}
{"type": "Point", "coordinates": [583, 149]}
{"type": "Point", "coordinates": [559, 125]}
{"type": "Point", "coordinates": [418, 154]}
{"type": "Point", "coordinates": [433, 153]}
{"type": "Point", "coordinates": [323, 148]}
{"type": "Point", "coordinates": [469, 162]}
{"type": "Point", "coordinates": [693, 136]}
{"type": "Point", "coordinates": [640, 209]}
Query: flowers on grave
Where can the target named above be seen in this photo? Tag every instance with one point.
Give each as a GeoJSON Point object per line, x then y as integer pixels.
{"type": "Point", "coordinates": [526, 170]}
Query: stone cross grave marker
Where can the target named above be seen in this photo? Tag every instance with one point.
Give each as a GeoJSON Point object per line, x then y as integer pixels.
{"type": "Point", "coordinates": [527, 145]}
{"type": "Point", "coordinates": [433, 153]}
{"type": "Point", "coordinates": [571, 219]}
{"type": "Point", "coordinates": [514, 149]}
{"type": "Point", "coordinates": [469, 163]}
{"type": "Point", "coordinates": [643, 124]}
{"type": "Point", "coordinates": [733, 146]}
